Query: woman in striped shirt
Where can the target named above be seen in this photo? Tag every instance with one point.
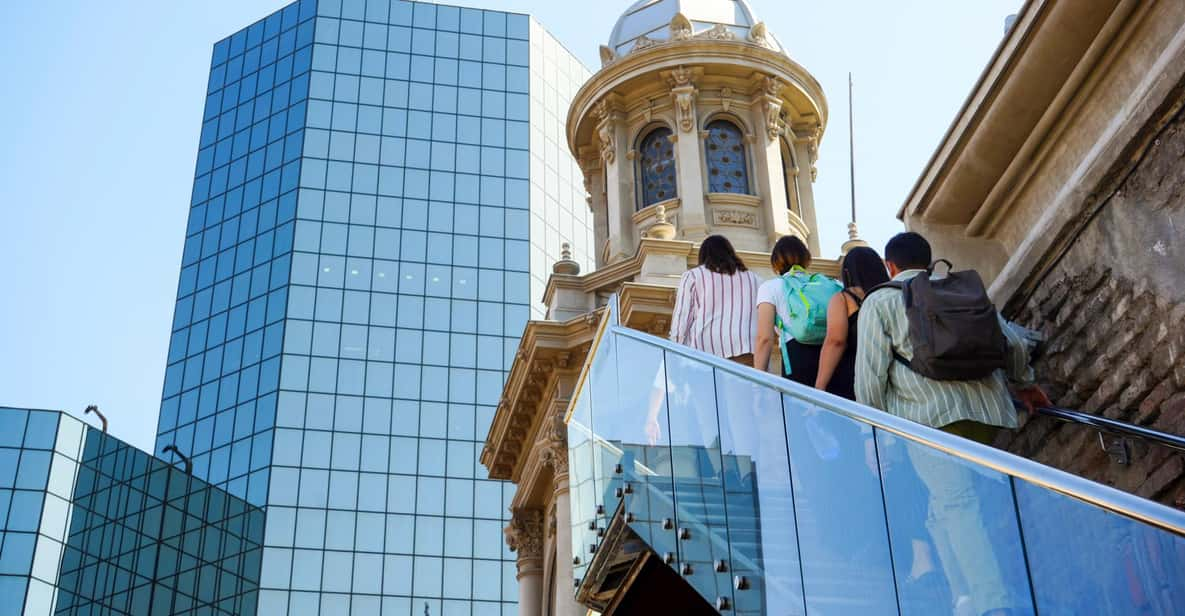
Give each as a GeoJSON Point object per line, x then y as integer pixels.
{"type": "Point", "coordinates": [716, 303]}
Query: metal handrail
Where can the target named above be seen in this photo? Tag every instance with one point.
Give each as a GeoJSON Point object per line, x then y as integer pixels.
{"type": "Point", "coordinates": [1113, 426]}
{"type": "Point", "coordinates": [1106, 497]}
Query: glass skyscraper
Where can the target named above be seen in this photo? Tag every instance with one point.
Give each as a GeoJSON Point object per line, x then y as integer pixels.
{"type": "Point", "coordinates": [381, 188]}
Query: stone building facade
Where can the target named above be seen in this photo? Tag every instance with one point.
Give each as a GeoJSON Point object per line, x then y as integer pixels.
{"type": "Point", "coordinates": [697, 123]}
{"type": "Point", "coordinates": [1063, 181]}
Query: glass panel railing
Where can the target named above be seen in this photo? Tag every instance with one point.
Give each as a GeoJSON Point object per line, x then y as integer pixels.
{"type": "Point", "coordinates": [846, 558]}
{"type": "Point", "coordinates": [769, 498]}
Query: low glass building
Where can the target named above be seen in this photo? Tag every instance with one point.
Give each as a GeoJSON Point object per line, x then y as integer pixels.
{"type": "Point", "coordinates": [92, 525]}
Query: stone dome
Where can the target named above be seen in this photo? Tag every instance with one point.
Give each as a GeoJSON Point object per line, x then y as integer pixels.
{"type": "Point", "coordinates": [652, 19]}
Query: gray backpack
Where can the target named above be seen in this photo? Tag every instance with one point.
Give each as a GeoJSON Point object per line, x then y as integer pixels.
{"type": "Point", "coordinates": [953, 326]}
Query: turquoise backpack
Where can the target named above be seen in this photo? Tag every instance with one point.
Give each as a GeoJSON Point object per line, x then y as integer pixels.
{"type": "Point", "coordinates": [807, 296]}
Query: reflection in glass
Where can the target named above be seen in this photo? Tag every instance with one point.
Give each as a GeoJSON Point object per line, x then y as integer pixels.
{"type": "Point", "coordinates": [698, 474]}
{"type": "Point", "coordinates": [969, 521]}
{"type": "Point", "coordinates": [1122, 566]}
{"type": "Point", "coordinates": [842, 535]}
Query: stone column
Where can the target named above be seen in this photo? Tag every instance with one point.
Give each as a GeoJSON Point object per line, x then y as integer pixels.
{"type": "Point", "coordinates": [524, 535]}
{"type": "Point", "coordinates": [565, 589]}
{"type": "Point", "coordinates": [619, 199]}
{"type": "Point", "coordinates": [693, 216]}
{"type": "Point", "coordinates": [769, 180]}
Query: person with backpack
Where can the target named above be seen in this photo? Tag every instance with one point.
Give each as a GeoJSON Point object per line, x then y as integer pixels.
{"type": "Point", "coordinates": [933, 349]}
{"type": "Point", "coordinates": [792, 309]}
{"type": "Point", "coordinates": [861, 271]}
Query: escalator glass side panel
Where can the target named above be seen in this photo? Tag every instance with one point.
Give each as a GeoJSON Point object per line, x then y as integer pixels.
{"type": "Point", "coordinates": [954, 532]}
{"type": "Point", "coordinates": [759, 498]}
{"type": "Point", "coordinates": [701, 523]}
{"type": "Point", "coordinates": [1086, 560]}
{"type": "Point", "coordinates": [842, 533]}
{"type": "Point", "coordinates": [581, 485]}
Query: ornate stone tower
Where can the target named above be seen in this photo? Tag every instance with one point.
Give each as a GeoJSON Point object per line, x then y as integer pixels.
{"type": "Point", "coordinates": [697, 109]}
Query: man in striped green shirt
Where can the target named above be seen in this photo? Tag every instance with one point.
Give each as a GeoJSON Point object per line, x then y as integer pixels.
{"type": "Point", "coordinates": [974, 409]}
{"type": "Point", "coordinates": [968, 408]}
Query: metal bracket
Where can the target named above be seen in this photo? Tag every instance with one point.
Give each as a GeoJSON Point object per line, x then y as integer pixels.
{"type": "Point", "coordinates": [1117, 447]}
{"type": "Point", "coordinates": [94, 409]}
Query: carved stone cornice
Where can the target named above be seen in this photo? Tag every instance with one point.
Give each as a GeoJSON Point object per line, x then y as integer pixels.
{"type": "Point", "coordinates": [524, 534]}
{"type": "Point", "coordinates": [548, 350]}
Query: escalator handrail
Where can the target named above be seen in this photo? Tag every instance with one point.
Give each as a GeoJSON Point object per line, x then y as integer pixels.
{"type": "Point", "coordinates": [1113, 426]}
{"type": "Point", "coordinates": [1106, 497]}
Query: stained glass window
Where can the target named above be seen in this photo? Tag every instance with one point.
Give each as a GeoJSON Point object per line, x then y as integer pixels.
{"type": "Point", "coordinates": [725, 152]}
{"type": "Point", "coordinates": [657, 156]}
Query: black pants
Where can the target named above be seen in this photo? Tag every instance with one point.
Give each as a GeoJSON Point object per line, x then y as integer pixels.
{"type": "Point", "coordinates": [804, 362]}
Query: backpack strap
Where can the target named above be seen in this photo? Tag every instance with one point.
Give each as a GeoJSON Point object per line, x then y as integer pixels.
{"type": "Point", "coordinates": [855, 298]}
{"type": "Point", "coordinates": [900, 286]}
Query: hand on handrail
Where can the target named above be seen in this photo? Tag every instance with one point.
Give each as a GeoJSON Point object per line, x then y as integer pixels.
{"type": "Point", "coordinates": [1032, 397]}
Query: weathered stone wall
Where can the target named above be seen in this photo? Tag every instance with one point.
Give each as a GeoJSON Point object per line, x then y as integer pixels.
{"type": "Point", "coordinates": [1113, 311]}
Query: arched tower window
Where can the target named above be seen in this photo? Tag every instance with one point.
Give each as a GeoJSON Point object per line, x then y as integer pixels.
{"type": "Point", "coordinates": [724, 150]}
{"type": "Point", "coordinates": [656, 167]}
{"type": "Point", "coordinates": [788, 177]}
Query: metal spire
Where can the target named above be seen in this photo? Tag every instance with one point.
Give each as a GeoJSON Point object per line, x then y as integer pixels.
{"type": "Point", "coordinates": [851, 149]}
{"type": "Point", "coordinates": [853, 234]}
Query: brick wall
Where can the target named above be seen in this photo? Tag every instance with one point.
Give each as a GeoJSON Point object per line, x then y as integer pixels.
{"type": "Point", "coordinates": [1113, 311]}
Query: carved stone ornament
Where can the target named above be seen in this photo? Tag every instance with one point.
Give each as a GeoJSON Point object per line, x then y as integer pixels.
{"type": "Point", "coordinates": [773, 121]}
{"type": "Point", "coordinates": [607, 56]}
{"type": "Point", "coordinates": [680, 76]}
{"type": "Point", "coordinates": [684, 99]}
{"type": "Point", "coordinates": [680, 27]}
{"type": "Point", "coordinates": [524, 534]}
{"type": "Point", "coordinates": [759, 34]}
{"type": "Point", "coordinates": [726, 98]}
{"type": "Point", "coordinates": [608, 143]}
{"type": "Point", "coordinates": [718, 32]}
{"type": "Point", "coordinates": [771, 85]}
{"type": "Point", "coordinates": [735, 218]}
{"type": "Point", "coordinates": [644, 42]}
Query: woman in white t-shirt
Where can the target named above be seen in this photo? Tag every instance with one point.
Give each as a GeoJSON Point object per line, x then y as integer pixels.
{"type": "Point", "coordinates": [788, 252]}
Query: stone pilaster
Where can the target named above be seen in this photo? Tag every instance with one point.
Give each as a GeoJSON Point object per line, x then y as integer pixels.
{"type": "Point", "coordinates": [765, 109]}
{"type": "Point", "coordinates": [524, 535]}
{"type": "Point", "coordinates": [613, 141]}
{"type": "Point", "coordinates": [693, 217]}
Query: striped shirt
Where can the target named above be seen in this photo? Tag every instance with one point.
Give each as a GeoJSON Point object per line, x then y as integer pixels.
{"type": "Point", "coordinates": [889, 385]}
{"type": "Point", "coordinates": [716, 313]}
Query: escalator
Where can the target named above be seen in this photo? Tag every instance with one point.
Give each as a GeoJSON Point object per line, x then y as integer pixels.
{"type": "Point", "coordinates": [702, 486]}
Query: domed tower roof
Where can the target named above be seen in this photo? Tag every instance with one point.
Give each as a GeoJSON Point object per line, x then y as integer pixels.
{"type": "Point", "coordinates": [652, 19]}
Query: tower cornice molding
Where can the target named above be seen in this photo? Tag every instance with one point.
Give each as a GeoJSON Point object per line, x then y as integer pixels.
{"type": "Point", "coordinates": [733, 60]}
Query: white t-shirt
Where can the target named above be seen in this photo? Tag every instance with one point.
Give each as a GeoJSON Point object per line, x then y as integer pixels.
{"type": "Point", "coordinates": [773, 291]}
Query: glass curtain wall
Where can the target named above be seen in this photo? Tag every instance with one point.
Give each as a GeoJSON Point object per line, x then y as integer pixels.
{"type": "Point", "coordinates": [348, 384]}
{"type": "Point", "coordinates": [89, 524]}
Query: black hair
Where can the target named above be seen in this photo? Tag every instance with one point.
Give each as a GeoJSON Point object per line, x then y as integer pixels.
{"type": "Point", "coordinates": [717, 254]}
{"type": "Point", "coordinates": [909, 250]}
{"type": "Point", "coordinates": [788, 252]}
{"type": "Point", "coordinates": [863, 268]}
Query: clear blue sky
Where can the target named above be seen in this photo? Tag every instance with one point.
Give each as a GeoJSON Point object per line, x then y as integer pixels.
{"type": "Point", "coordinates": [99, 115]}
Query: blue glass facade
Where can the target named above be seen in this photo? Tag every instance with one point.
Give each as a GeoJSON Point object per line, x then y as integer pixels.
{"type": "Point", "coordinates": [91, 525]}
{"type": "Point", "coordinates": [381, 189]}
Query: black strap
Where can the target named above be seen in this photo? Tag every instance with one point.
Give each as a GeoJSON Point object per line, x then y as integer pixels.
{"type": "Point", "coordinates": [855, 298]}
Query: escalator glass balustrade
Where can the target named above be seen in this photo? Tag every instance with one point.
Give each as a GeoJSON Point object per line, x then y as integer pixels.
{"type": "Point", "coordinates": [765, 497]}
